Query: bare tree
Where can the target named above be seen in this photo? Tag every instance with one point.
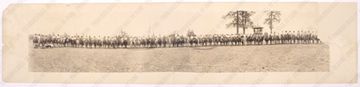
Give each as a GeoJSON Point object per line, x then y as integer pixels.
{"type": "Point", "coordinates": [240, 18]}
{"type": "Point", "coordinates": [273, 16]}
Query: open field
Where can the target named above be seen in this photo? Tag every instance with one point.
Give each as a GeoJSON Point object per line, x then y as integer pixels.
{"type": "Point", "coordinates": [262, 58]}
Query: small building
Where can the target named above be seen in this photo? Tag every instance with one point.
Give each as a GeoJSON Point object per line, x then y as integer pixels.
{"type": "Point", "coordinates": [258, 30]}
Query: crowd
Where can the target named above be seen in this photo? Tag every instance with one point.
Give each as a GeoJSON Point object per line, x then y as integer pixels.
{"type": "Point", "coordinates": [173, 40]}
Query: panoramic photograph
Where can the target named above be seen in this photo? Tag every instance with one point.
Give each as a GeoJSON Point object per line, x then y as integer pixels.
{"type": "Point", "coordinates": [245, 46]}
{"type": "Point", "coordinates": [180, 43]}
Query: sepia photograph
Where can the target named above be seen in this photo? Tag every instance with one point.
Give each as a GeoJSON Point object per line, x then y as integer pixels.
{"type": "Point", "coordinates": [296, 50]}
{"type": "Point", "coordinates": [181, 42]}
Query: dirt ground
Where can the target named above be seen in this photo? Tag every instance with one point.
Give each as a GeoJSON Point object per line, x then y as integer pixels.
{"type": "Point", "coordinates": [262, 58]}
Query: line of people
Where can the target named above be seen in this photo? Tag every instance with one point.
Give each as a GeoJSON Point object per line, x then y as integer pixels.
{"type": "Point", "coordinates": [173, 40]}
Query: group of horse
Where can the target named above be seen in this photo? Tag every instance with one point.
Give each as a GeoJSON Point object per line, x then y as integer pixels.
{"type": "Point", "coordinates": [174, 40]}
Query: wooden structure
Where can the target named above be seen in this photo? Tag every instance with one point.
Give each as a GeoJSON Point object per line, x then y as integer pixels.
{"type": "Point", "coordinates": [258, 30]}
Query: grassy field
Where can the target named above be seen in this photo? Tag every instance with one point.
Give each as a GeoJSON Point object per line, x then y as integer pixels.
{"type": "Point", "coordinates": [264, 58]}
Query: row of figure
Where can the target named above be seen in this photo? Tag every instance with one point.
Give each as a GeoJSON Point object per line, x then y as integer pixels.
{"type": "Point", "coordinates": [174, 40]}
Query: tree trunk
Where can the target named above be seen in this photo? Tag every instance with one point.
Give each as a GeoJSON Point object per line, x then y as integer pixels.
{"type": "Point", "coordinates": [244, 30]}
{"type": "Point", "coordinates": [237, 22]}
{"type": "Point", "coordinates": [244, 22]}
{"type": "Point", "coordinates": [271, 20]}
{"type": "Point", "coordinates": [271, 26]}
